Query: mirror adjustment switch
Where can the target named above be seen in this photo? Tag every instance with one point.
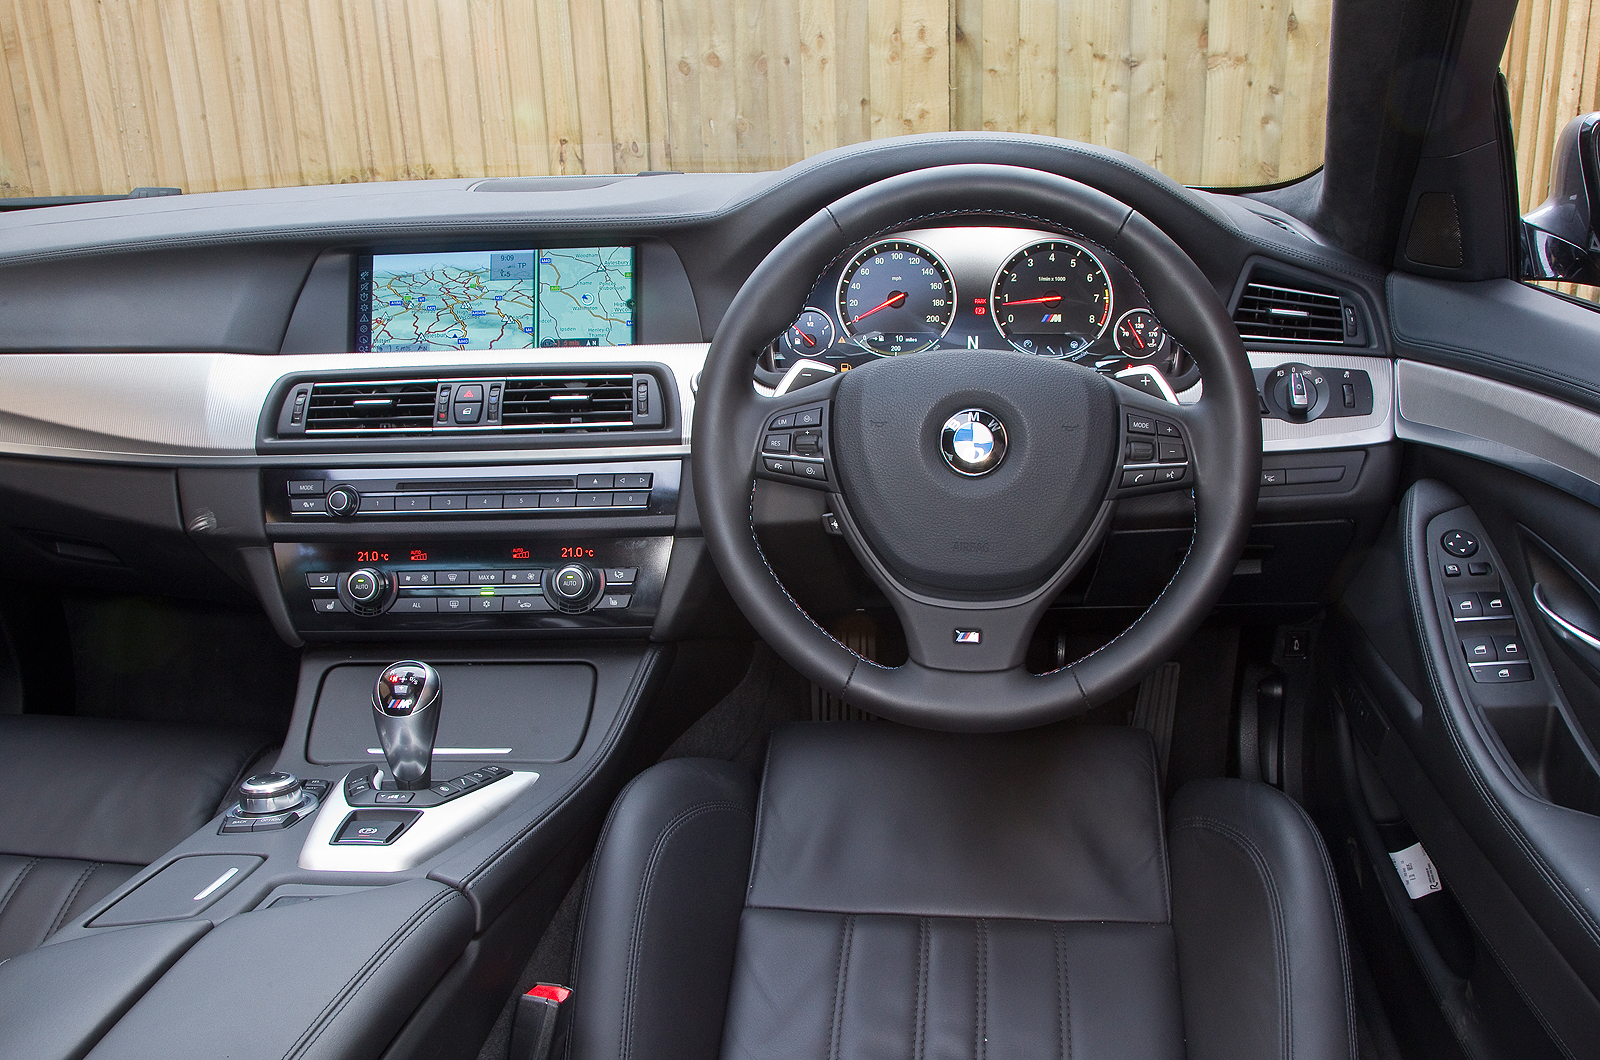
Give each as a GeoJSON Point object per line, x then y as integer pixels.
{"type": "Point", "coordinates": [1459, 543]}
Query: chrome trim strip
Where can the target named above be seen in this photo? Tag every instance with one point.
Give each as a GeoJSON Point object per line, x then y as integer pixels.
{"type": "Point", "coordinates": [1561, 624]}
{"type": "Point", "coordinates": [1534, 435]}
{"type": "Point", "coordinates": [176, 409]}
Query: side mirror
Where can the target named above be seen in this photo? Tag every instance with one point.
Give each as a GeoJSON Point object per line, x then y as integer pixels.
{"type": "Point", "coordinates": [1558, 239]}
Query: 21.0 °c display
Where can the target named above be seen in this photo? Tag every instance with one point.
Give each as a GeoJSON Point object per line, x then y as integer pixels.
{"type": "Point", "coordinates": [496, 299]}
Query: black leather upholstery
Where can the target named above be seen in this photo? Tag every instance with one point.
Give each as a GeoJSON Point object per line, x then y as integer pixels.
{"type": "Point", "coordinates": [89, 801]}
{"type": "Point", "coordinates": [919, 895]}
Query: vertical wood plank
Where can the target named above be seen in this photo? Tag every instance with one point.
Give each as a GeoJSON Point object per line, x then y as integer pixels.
{"type": "Point", "coordinates": [592, 85]}
{"type": "Point", "coordinates": [784, 113]}
{"type": "Point", "coordinates": [627, 73]}
{"type": "Point", "coordinates": [14, 177]}
{"type": "Point", "coordinates": [719, 104]}
{"type": "Point", "coordinates": [654, 43]}
{"type": "Point", "coordinates": [680, 42]}
{"type": "Point", "coordinates": [1037, 75]}
{"type": "Point", "coordinates": [99, 95]}
{"type": "Point", "coordinates": [1227, 88]}
{"type": "Point", "coordinates": [564, 124]}
{"type": "Point", "coordinates": [819, 81]}
{"type": "Point", "coordinates": [966, 63]}
{"type": "Point", "coordinates": [754, 136]}
{"type": "Point", "coordinates": [1076, 70]}
{"type": "Point", "coordinates": [925, 26]}
{"type": "Point", "coordinates": [519, 29]}
{"type": "Point", "coordinates": [854, 59]}
{"type": "Point", "coordinates": [1261, 132]}
{"type": "Point", "coordinates": [1147, 80]}
{"type": "Point", "coordinates": [1108, 48]}
{"type": "Point", "coordinates": [999, 89]}
{"type": "Point", "coordinates": [462, 111]}
{"type": "Point", "coordinates": [1305, 79]}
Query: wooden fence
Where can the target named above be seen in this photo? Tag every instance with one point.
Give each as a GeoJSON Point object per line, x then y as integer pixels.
{"type": "Point", "coordinates": [104, 95]}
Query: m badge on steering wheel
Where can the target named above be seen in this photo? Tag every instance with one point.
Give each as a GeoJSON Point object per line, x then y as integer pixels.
{"type": "Point", "coordinates": [973, 442]}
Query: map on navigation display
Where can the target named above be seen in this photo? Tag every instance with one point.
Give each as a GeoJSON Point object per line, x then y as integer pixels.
{"type": "Point", "coordinates": [586, 297]}
{"type": "Point", "coordinates": [497, 300]}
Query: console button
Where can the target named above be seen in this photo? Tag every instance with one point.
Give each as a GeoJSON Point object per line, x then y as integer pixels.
{"type": "Point", "coordinates": [486, 603]}
{"type": "Point", "coordinates": [527, 603]}
{"type": "Point", "coordinates": [486, 577]}
{"type": "Point", "coordinates": [1139, 423]}
{"type": "Point", "coordinates": [469, 392]}
{"type": "Point", "coordinates": [1452, 570]}
{"type": "Point", "coordinates": [621, 575]}
{"type": "Point", "coordinates": [447, 790]}
{"type": "Point", "coordinates": [1299, 476]}
{"type": "Point", "coordinates": [522, 500]}
{"type": "Point", "coordinates": [524, 577]}
{"type": "Point", "coordinates": [330, 606]}
{"type": "Point", "coordinates": [308, 506]}
{"type": "Point", "coordinates": [1501, 673]}
{"type": "Point", "coordinates": [594, 482]}
{"type": "Point", "coordinates": [456, 503]}
{"type": "Point", "coordinates": [630, 500]}
{"type": "Point", "coordinates": [454, 605]}
{"type": "Point", "coordinates": [1272, 476]}
{"type": "Point", "coordinates": [468, 413]}
{"type": "Point", "coordinates": [634, 482]}
{"type": "Point", "coordinates": [393, 798]}
{"type": "Point", "coordinates": [484, 501]}
{"type": "Point", "coordinates": [614, 602]}
{"type": "Point", "coordinates": [1479, 649]}
{"type": "Point", "coordinates": [416, 503]}
{"type": "Point", "coordinates": [557, 500]}
{"type": "Point", "coordinates": [452, 577]}
{"type": "Point", "coordinates": [594, 500]}
{"type": "Point", "coordinates": [322, 579]}
{"type": "Point", "coordinates": [306, 487]}
{"type": "Point", "coordinates": [377, 504]}
{"type": "Point", "coordinates": [1479, 569]}
{"type": "Point", "coordinates": [1459, 543]}
{"type": "Point", "coordinates": [370, 829]}
{"type": "Point", "coordinates": [413, 577]}
{"type": "Point", "coordinates": [1465, 605]}
{"type": "Point", "coordinates": [1510, 647]}
{"type": "Point", "coordinates": [416, 605]}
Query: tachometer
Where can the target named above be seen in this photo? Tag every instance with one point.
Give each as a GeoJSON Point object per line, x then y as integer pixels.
{"type": "Point", "coordinates": [896, 297]}
{"type": "Point", "coordinates": [1052, 298]}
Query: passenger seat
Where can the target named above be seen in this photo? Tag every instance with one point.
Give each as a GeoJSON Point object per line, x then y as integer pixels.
{"type": "Point", "coordinates": [85, 803]}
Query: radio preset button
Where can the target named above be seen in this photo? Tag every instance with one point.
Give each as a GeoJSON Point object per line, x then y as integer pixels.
{"type": "Point", "coordinates": [630, 500]}
{"type": "Point", "coordinates": [456, 503]}
{"type": "Point", "coordinates": [416, 503]}
{"type": "Point", "coordinates": [377, 504]}
{"type": "Point", "coordinates": [484, 501]}
{"type": "Point", "coordinates": [594, 500]}
{"type": "Point", "coordinates": [556, 500]}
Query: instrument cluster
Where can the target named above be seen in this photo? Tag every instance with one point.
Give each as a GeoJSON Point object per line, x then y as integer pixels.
{"type": "Point", "coordinates": [968, 287]}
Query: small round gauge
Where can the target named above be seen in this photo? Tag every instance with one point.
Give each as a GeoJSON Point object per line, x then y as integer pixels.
{"type": "Point", "coordinates": [896, 297]}
{"type": "Point", "coordinates": [1140, 335]}
{"type": "Point", "coordinates": [811, 333]}
{"type": "Point", "coordinates": [1052, 298]}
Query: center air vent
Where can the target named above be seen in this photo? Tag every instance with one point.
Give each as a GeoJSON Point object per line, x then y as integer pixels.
{"type": "Point", "coordinates": [564, 403]}
{"type": "Point", "coordinates": [1282, 313]}
{"type": "Point", "coordinates": [361, 407]}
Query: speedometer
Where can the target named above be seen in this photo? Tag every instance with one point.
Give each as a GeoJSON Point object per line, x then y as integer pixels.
{"type": "Point", "coordinates": [1052, 298]}
{"type": "Point", "coordinates": [896, 297]}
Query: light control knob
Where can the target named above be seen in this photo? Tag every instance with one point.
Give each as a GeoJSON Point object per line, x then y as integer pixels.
{"type": "Point", "coordinates": [1301, 393]}
{"type": "Point", "coordinates": [367, 591]}
{"type": "Point", "coordinates": [343, 500]}
{"type": "Point", "coordinates": [573, 587]}
{"type": "Point", "coordinates": [269, 793]}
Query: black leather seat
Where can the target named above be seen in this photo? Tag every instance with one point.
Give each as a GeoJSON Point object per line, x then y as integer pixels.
{"type": "Point", "coordinates": [88, 802]}
{"type": "Point", "coordinates": [903, 894]}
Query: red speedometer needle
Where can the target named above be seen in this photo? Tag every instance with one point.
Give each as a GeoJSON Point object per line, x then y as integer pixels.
{"type": "Point", "coordinates": [1034, 301]}
{"type": "Point", "coordinates": [894, 301]}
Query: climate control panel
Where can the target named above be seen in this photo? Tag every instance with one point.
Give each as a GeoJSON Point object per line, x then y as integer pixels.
{"type": "Point", "coordinates": [535, 584]}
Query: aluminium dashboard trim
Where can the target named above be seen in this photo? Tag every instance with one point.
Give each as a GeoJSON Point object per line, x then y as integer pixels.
{"type": "Point", "coordinates": [1549, 440]}
{"type": "Point", "coordinates": [188, 409]}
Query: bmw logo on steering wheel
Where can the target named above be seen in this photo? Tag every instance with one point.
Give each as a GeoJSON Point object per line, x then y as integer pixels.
{"type": "Point", "coordinates": [973, 442]}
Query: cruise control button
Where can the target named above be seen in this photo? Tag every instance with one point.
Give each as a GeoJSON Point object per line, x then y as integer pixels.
{"type": "Point", "coordinates": [808, 418]}
{"type": "Point", "coordinates": [808, 443]}
{"type": "Point", "coordinates": [776, 443]}
{"type": "Point", "coordinates": [807, 469]}
{"type": "Point", "coordinates": [780, 467]}
{"type": "Point", "coordinates": [781, 423]}
{"type": "Point", "coordinates": [1139, 452]}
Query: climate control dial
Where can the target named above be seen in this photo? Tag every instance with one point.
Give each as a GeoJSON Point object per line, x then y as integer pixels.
{"type": "Point", "coordinates": [573, 587]}
{"type": "Point", "coordinates": [367, 591]}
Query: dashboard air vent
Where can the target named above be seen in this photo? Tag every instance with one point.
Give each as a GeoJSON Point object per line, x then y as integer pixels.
{"type": "Point", "coordinates": [570, 402]}
{"type": "Point", "coordinates": [1278, 313]}
{"type": "Point", "coordinates": [370, 407]}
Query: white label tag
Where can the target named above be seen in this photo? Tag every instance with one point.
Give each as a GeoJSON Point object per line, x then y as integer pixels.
{"type": "Point", "coordinates": [1416, 871]}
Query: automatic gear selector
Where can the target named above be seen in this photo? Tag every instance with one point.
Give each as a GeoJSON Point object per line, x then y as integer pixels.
{"type": "Point", "coordinates": [405, 707]}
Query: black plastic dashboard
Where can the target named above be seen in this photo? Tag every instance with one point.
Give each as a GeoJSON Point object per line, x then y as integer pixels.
{"type": "Point", "coordinates": [177, 337]}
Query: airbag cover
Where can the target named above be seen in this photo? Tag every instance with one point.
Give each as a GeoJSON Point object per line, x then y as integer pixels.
{"type": "Point", "coordinates": [998, 534]}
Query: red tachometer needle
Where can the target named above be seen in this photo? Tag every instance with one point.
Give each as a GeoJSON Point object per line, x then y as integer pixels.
{"type": "Point", "coordinates": [1035, 301]}
{"type": "Point", "coordinates": [894, 301]}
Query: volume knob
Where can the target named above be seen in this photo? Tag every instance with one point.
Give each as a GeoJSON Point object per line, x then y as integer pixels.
{"type": "Point", "coordinates": [343, 500]}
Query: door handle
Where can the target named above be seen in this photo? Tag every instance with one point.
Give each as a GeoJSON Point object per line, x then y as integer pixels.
{"type": "Point", "coordinates": [1584, 645]}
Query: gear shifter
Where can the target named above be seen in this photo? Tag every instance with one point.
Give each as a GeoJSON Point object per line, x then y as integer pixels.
{"type": "Point", "coordinates": [405, 707]}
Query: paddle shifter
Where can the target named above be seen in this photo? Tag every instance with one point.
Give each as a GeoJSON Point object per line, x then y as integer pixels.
{"type": "Point", "coordinates": [405, 707]}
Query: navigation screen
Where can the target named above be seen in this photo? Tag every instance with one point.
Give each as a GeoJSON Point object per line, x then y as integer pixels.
{"type": "Point", "coordinates": [496, 300]}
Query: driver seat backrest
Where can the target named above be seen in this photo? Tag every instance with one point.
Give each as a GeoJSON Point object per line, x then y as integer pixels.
{"type": "Point", "coordinates": [904, 894]}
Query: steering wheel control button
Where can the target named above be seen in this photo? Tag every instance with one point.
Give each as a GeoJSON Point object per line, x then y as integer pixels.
{"type": "Point", "coordinates": [810, 469]}
{"type": "Point", "coordinates": [1168, 430]}
{"type": "Point", "coordinates": [973, 442]}
{"type": "Point", "coordinates": [782, 423]}
{"type": "Point", "coordinates": [1138, 423]}
{"type": "Point", "coordinates": [808, 418]}
{"type": "Point", "coordinates": [776, 443]}
{"type": "Point", "coordinates": [1166, 475]}
{"type": "Point", "coordinates": [1172, 452]}
{"type": "Point", "coordinates": [1459, 543]}
{"type": "Point", "coordinates": [1141, 452]}
{"type": "Point", "coordinates": [1143, 476]}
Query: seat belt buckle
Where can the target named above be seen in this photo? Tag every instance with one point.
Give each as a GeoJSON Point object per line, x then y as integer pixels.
{"type": "Point", "coordinates": [533, 1028]}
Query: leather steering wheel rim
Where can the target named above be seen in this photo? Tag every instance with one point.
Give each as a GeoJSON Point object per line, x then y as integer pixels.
{"type": "Point", "coordinates": [1223, 428]}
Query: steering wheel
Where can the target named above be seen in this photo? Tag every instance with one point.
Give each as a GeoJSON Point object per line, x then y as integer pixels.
{"type": "Point", "coordinates": [974, 484]}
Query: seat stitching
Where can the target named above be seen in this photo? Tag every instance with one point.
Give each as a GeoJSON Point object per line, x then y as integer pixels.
{"type": "Point", "coordinates": [839, 981]}
{"type": "Point", "coordinates": [981, 1008]}
{"type": "Point", "coordinates": [919, 1032]}
{"type": "Point", "coordinates": [1280, 938]}
{"type": "Point", "coordinates": [641, 908]}
{"type": "Point", "coordinates": [1338, 923]}
{"type": "Point", "coordinates": [1063, 998]}
{"type": "Point", "coordinates": [61, 913]}
{"type": "Point", "coordinates": [16, 883]}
